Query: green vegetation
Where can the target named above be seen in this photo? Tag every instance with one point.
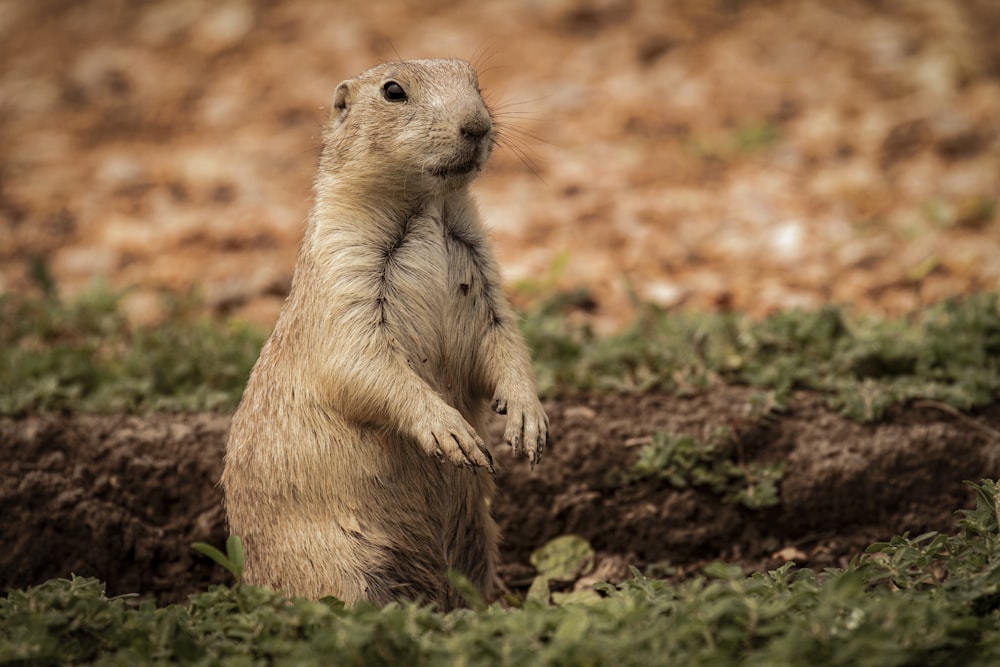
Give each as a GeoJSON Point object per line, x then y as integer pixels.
{"type": "Point", "coordinates": [686, 461]}
{"type": "Point", "coordinates": [564, 559]}
{"type": "Point", "coordinates": [233, 560]}
{"type": "Point", "coordinates": [83, 356]}
{"type": "Point", "coordinates": [948, 352]}
{"type": "Point", "coordinates": [929, 600]}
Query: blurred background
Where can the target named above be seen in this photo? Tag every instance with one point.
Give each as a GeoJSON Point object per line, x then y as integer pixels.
{"type": "Point", "coordinates": [712, 155]}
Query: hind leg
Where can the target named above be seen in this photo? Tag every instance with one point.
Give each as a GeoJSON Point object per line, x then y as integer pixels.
{"type": "Point", "coordinates": [408, 575]}
{"type": "Point", "coordinates": [474, 549]}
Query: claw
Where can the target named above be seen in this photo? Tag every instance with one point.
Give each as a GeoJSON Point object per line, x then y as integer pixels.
{"type": "Point", "coordinates": [437, 453]}
{"type": "Point", "coordinates": [489, 460]}
{"type": "Point", "coordinates": [458, 443]}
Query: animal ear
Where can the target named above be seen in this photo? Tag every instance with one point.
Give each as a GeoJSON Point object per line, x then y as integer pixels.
{"type": "Point", "coordinates": [342, 98]}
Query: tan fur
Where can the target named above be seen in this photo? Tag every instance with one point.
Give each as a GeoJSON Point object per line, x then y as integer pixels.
{"type": "Point", "coordinates": [351, 466]}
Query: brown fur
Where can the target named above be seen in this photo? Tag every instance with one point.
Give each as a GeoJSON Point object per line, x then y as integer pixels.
{"type": "Point", "coordinates": [351, 466]}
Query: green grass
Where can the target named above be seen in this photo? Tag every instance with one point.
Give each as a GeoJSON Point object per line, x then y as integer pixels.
{"type": "Point", "coordinates": [949, 352]}
{"type": "Point", "coordinates": [82, 356]}
{"type": "Point", "coordinates": [930, 600]}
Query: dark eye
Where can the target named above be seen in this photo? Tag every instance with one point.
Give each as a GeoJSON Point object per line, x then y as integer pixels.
{"type": "Point", "coordinates": [393, 92]}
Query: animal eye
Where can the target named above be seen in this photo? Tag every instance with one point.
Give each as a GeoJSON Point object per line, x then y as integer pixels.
{"type": "Point", "coordinates": [393, 92]}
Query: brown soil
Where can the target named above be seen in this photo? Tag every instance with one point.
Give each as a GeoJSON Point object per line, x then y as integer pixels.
{"type": "Point", "coordinates": [123, 498]}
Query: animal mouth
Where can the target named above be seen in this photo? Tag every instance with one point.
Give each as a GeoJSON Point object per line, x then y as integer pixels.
{"type": "Point", "coordinates": [456, 169]}
{"type": "Point", "coordinates": [462, 162]}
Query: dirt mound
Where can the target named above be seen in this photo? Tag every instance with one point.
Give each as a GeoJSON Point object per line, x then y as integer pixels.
{"type": "Point", "coordinates": [120, 498]}
{"type": "Point", "coordinates": [123, 498]}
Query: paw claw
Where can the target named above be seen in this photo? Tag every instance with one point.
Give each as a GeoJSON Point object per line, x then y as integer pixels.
{"type": "Point", "coordinates": [437, 453]}
{"type": "Point", "coordinates": [527, 430]}
{"type": "Point", "coordinates": [451, 437]}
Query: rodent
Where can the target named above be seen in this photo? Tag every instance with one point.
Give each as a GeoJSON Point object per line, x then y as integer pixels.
{"type": "Point", "coordinates": [355, 465]}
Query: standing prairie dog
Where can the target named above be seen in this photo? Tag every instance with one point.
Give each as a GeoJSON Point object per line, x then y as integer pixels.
{"type": "Point", "coordinates": [351, 465]}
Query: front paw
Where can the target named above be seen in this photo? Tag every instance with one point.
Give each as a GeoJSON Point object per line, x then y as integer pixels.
{"type": "Point", "coordinates": [447, 435]}
{"type": "Point", "coordinates": [527, 429]}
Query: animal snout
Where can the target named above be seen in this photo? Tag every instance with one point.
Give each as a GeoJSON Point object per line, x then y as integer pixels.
{"type": "Point", "coordinates": [476, 128]}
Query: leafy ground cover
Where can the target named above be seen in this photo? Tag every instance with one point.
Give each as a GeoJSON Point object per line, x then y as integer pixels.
{"type": "Point", "coordinates": [687, 461]}
{"type": "Point", "coordinates": [929, 600]}
{"type": "Point", "coordinates": [83, 355]}
{"type": "Point", "coordinates": [949, 351]}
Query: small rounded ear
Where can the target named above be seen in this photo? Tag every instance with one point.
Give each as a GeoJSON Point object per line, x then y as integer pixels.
{"type": "Point", "coordinates": [342, 97]}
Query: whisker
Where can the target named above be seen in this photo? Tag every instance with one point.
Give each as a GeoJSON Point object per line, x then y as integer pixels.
{"type": "Point", "coordinates": [516, 103]}
{"type": "Point", "coordinates": [482, 56]}
{"type": "Point", "coordinates": [521, 133]}
{"type": "Point", "coordinates": [519, 152]}
{"type": "Point", "coordinates": [518, 115]}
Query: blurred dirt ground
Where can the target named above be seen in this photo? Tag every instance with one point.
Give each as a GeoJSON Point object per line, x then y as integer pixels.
{"type": "Point", "coordinates": [731, 155]}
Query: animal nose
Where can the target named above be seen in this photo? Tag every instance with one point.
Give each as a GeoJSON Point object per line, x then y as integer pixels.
{"type": "Point", "coordinates": [476, 128]}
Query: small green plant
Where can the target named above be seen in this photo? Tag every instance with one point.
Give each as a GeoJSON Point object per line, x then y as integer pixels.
{"type": "Point", "coordinates": [562, 559]}
{"type": "Point", "coordinates": [965, 568]}
{"type": "Point", "coordinates": [685, 461]}
{"type": "Point", "coordinates": [233, 560]}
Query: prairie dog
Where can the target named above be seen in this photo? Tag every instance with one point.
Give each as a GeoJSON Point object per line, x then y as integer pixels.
{"type": "Point", "coordinates": [353, 463]}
